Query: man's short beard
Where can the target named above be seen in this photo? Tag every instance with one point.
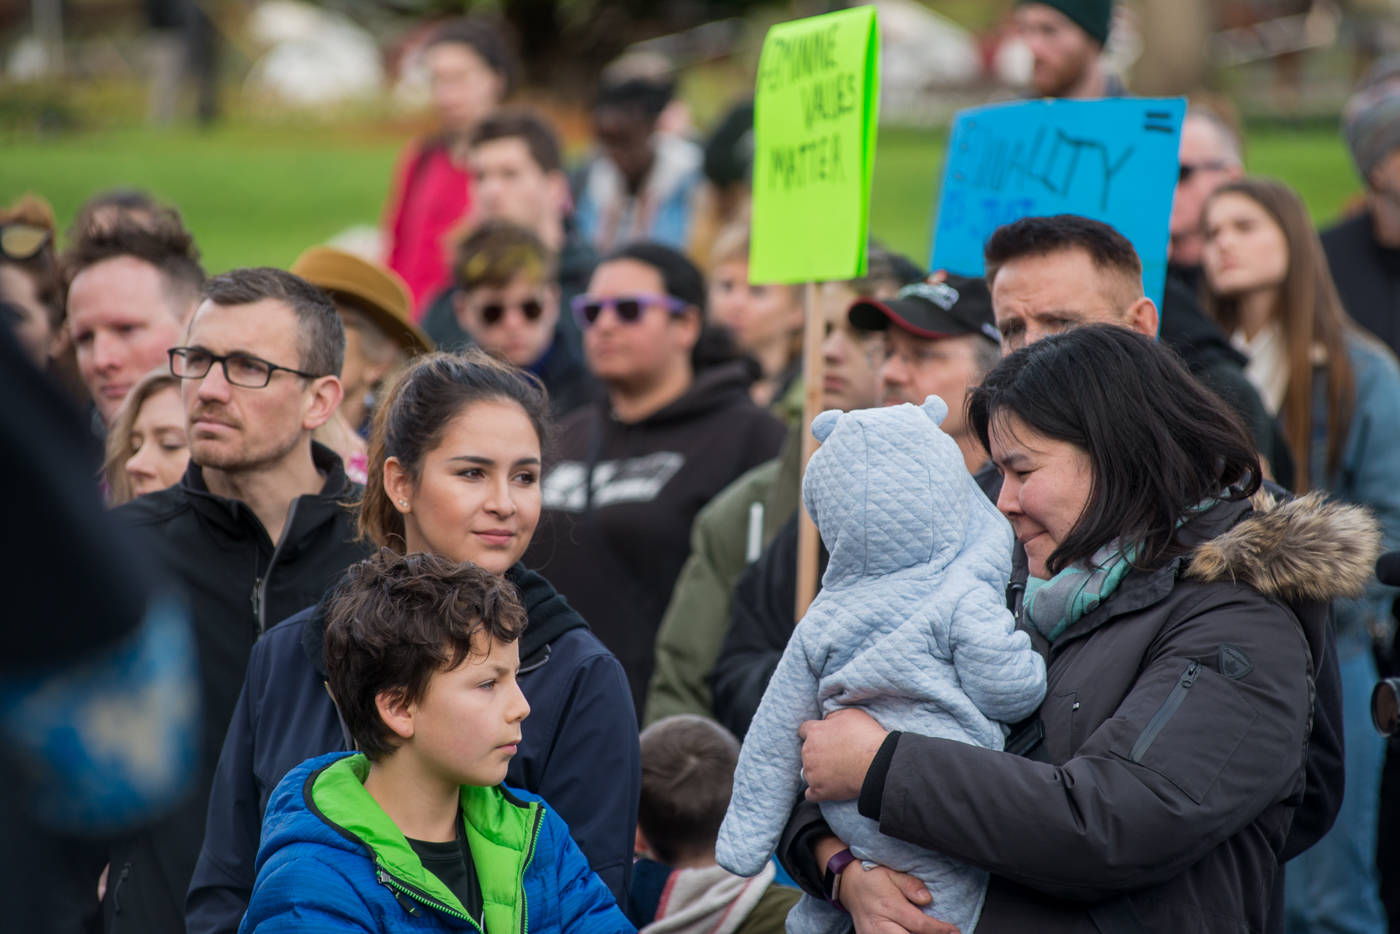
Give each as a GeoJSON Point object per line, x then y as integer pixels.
{"type": "Point", "coordinates": [241, 461]}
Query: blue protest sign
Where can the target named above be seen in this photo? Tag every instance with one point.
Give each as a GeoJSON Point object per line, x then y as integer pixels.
{"type": "Point", "coordinates": [1114, 160]}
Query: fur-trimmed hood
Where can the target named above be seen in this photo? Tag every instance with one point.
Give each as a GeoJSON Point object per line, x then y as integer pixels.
{"type": "Point", "coordinates": [1308, 548]}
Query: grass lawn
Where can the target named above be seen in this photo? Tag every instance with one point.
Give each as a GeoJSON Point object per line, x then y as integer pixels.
{"type": "Point", "coordinates": [259, 195]}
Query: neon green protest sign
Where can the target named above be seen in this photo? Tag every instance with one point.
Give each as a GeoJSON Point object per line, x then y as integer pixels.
{"type": "Point", "coordinates": [815, 106]}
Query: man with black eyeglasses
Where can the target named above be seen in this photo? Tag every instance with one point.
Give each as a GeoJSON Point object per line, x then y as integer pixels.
{"type": "Point", "coordinates": [507, 302]}
{"type": "Point", "coordinates": [255, 531]}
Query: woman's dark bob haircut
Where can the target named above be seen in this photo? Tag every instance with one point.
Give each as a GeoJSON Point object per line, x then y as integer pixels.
{"type": "Point", "coordinates": [1158, 441]}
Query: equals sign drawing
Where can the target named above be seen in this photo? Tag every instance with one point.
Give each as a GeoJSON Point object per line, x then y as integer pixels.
{"type": "Point", "coordinates": [1153, 115]}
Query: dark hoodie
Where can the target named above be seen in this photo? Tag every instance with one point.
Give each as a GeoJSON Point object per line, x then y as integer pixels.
{"type": "Point", "coordinates": [579, 753]}
{"type": "Point", "coordinates": [620, 499]}
{"type": "Point", "coordinates": [235, 580]}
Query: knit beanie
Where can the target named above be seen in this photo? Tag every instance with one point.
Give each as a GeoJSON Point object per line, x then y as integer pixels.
{"type": "Point", "coordinates": [1371, 119]}
{"type": "Point", "coordinates": [1092, 16]}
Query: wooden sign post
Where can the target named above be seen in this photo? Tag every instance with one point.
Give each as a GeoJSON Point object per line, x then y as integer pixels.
{"type": "Point", "coordinates": [816, 102]}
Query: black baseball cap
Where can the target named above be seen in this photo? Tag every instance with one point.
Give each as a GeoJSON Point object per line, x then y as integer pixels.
{"type": "Point", "coordinates": [959, 305]}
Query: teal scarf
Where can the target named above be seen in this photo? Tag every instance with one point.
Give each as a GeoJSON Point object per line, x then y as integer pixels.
{"type": "Point", "coordinates": [1053, 605]}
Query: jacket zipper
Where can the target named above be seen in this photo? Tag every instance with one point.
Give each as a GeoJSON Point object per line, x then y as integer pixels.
{"type": "Point", "coordinates": [1164, 713]}
{"type": "Point", "coordinates": [403, 888]}
{"type": "Point", "coordinates": [536, 665]}
{"type": "Point", "coordinates": [260, 587]}
{"type": "Point", "coordinates": [529, 855]}
{"type": "Point", "coordinates": [117, 888]}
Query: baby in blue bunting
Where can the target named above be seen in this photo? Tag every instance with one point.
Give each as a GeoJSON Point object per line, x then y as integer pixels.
{"type": "Point", "coordinates": [911, 626]}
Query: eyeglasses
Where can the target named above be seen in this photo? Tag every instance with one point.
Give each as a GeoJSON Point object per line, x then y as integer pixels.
{"type": "Point", "coordinates": [629, 308]}
{"type": "Point", "coordinates": [240, 369]}
{"type": "Point", "coordinates": [23, 241]}
{"type": "Point", "coordinates": [1187, 169]}
{"type": "Point", "coordinates": [495, 312]}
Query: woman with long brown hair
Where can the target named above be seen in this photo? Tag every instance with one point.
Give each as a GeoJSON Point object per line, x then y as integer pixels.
{"type": "Point", "coordinates": [1337, 392]}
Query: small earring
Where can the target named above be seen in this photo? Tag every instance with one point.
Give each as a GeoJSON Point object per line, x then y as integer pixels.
{"type": "Point", "coordinates": [403, 502]}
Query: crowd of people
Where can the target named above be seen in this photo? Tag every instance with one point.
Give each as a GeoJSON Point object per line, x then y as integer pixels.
{"type": "Point", "coordinates": [477, 560]}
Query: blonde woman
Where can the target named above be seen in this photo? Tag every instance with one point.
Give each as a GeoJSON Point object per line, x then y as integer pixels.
{"type": "Point", "coordinates": [147, 449]}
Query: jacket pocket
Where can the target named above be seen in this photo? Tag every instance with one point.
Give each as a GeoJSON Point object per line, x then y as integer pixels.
{"type": "Point", "coordinates": [1164, 713]}
{"type": "Point", "coordinates": [1199, 722]}
{"type": "Point", "coordinates": [1061, 715]}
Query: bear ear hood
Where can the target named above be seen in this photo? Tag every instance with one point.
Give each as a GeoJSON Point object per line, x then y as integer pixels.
{"type": "Point", "coordinates": [825, 423]}
{"type": "Point", "coordinates": [889, 491]}
{"type": "Point", "coordinates": [936, 409]}
{"type": "Point", "coordinates": [1309, 548]}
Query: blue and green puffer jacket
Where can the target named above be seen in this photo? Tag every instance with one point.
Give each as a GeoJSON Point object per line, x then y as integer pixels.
{"type": "Point", "coordinates": [331, 860]}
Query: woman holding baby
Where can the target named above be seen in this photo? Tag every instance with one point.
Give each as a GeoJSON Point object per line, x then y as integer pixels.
{"type": "Point", "coordinates": [1182, 614]}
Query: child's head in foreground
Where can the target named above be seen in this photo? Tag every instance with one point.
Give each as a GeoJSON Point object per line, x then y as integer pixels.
{"type": "Point", "coordinates": [687, 777]}
{"type": "Point", "coordinates": [421, 654]}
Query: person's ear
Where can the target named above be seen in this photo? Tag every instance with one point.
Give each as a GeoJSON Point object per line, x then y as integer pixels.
{"type": "Point", "coordinates": [1142, 317]}
{"type": "Point", "coordinates": [460, 310]}
{"type": "Point", "coordinates": [561, 198]}
{"type": "Point", "coordinates": [396, 712]}
{"type": "Point", "coordinates": [398, 485]}
{"type": "Point", "coordinates": [797, 310]}
{"type": "Point", "coordinates": [324, 399]}
{"type": "Point", "coordinates": [552, 307]}
{"type": "Point", "coordinates": [375, 373]}
{"type": "Point", "coordinates": [690, 324]}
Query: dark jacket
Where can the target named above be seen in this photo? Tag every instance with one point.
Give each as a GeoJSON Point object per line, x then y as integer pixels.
{"type": "Point", "coordinates": [762, 618]}
{"type": "Point", "coordinates": [1174, 733]}
{"type": "Point", "coordinates": [620, 498]}
{"type": "Point", "coordinates": [579, 750]}
{"type": "Point", "coordinates": [331, 860]}
{"type": "Point", "coordinates": [1367, 275]}
{"type": "Point", "coordinates": [565, 375]}
{"type": "Point", "coordinates": [1211, 358]}
{"type": "Point", "coordinates": [216, 551]}
{"type": "Point", "coordinates": [79, 614]}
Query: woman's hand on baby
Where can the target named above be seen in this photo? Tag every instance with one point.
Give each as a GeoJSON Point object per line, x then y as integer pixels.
{"type": "Point", "coordinates": [837, 752]}
{"type": "Point", "coordinates": [882, 901]}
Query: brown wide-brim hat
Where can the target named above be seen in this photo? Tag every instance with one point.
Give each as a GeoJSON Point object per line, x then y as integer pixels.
{"type": "Point", "coordinates": [375, 290]}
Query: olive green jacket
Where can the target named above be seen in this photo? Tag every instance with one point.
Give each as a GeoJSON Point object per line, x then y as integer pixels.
{"type": "Point", "coordinates": [721, 546]}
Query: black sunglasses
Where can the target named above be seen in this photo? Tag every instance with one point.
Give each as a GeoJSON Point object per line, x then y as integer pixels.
{"type": "Point", "coordinates": [19, 241]}
{"type": "Point", "coordinates": [495, 312]}
{"type": "Point", "coordinates": [628, 308]}
{"type": "Point", "coordinates": [1187, 169]}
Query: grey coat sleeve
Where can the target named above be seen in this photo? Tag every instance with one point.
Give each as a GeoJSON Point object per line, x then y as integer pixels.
{"type": "Point", "coordinates": [1146, 795]}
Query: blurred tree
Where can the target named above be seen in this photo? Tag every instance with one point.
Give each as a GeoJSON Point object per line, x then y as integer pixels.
{"type": "Point", "coordinates": [564, 44]}
{"type": "Point", "coordinates": [1175, 60]}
